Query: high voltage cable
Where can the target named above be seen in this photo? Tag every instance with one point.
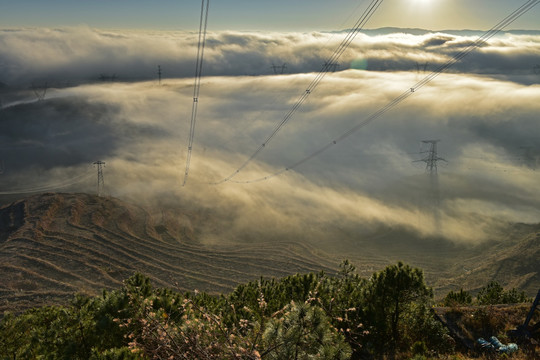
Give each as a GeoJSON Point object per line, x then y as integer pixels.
{"type": "Point", "coordinates": [481, 40]}
{"type": "Point", "coordinates": [197, 85]}
{"type": "Point", "coordinates": [325, 69]}
{"type": "Point", "coordinates": [290, 88]}
{"type": "Point", "coordinates": [69, 182]}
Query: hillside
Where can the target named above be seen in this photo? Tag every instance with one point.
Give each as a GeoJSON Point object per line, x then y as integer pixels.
{"type": "Point", "coordinates": [468, 323]}
{"type": "Point", "coordinates": [53, 245]}
{"type": "Point", "coordinates": [513, 263]}
{"type": "Point", "coordinates": [512, 259]}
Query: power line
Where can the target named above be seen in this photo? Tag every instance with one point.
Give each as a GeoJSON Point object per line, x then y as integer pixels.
{"type": "Point", "coordinates": [333, 66]}
{"type": "Point", "coordinates": [329, 64]}
{"type": "Point", "coordinates": [351, 14]}
{"type": "Point", "coordinates": [480, 41]}
{"type": "Point", "coordinates": [45, 188]}
{"type": "Point", "coordinates": [197, 85]}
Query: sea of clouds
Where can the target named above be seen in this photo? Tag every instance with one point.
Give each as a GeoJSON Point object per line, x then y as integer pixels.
{"type": "Point", "coordinates": [484, 110]}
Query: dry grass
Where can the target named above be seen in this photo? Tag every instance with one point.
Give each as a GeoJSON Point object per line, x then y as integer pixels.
{"type": "Point", "coordinates": [472, 322]}
{"type": "Point", "coordinates": [81, 243]}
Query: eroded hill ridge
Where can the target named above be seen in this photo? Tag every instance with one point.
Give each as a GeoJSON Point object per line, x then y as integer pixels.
{"type": "Point", "coordinates": [53, 245]}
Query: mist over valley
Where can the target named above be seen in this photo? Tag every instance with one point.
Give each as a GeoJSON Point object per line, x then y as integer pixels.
{"type": "Point", "coordinates": [72, 96]}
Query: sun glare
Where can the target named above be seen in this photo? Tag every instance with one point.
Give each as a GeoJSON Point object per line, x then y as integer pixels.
{"type": "Point", "coordinates": [422, 2]}
{"type": "Point", "coordinates": [420, 6]}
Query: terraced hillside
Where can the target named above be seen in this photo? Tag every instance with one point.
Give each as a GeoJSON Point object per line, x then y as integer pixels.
{"type": "Point", "coordinates": [513, 259]}
{"type": "Point", "coordinates": [514, 263]}
{"type": "Point", "coordinates": [53, 245]}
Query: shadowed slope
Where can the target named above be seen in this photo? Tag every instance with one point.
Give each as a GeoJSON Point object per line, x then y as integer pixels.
{"type": "Point", "coordinates": [513, 263]}
{"type": "Point", "coordinates": [53, 245]}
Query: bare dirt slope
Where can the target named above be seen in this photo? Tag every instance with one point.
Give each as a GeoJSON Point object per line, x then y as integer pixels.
{"type": "Point", "coordinates": [468, 323]}
{"type": "Point", "coordinates": [53, 245]}
{"type": "Point", "coordinates": [514, 263]}
{"type": "Point", "coordinates": [512, 259]}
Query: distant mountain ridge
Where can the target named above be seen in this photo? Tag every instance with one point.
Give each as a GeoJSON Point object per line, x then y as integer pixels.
{"type": "Point", "coordinates": [418, 31]}
{"type": "Point", "coordinates": [516, 265]}
{"type": "Point", "coordinates": [513, 259]}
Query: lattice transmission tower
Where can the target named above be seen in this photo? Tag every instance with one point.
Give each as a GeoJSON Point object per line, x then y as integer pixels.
{"type": "Point", "coordinates": [278, 69]}
{"type": "Point", "coordinates": [530, 157]}
{"type": "Point", "coordinates": [100, 182]}
{"type": "Point", "coordinates": [40, 91]}
{"type": "Point", "coordinates": [431, 158]}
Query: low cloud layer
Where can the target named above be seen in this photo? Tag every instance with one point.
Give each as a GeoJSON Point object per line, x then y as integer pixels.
{"type": "Point", "coordinates": [74, 55]}
{"type": "Point", "coordinates": [374, 179]}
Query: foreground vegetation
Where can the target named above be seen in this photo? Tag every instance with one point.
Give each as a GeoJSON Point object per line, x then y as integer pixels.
{"type": "Point", "coordinates": [304, 316]}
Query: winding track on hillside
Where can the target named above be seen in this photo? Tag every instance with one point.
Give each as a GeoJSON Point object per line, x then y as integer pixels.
{"type": "Point", "coordinates": [53, 245]}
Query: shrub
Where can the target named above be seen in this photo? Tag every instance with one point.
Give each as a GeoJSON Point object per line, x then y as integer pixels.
{"type": "Point", "coordinates": [457, 298]}
{"type": "Point", "coordinates": [419, 348]}
{"type": "Point", "coordinates": [493, 293]}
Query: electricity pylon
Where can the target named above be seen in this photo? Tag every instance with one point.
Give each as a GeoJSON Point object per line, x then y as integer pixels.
{"type": "Point", "coordinates": [530, 157]}
{"type": "Point", "coordinates": [277, 68]}
{"type": "Point", "coordinates": [100, 181]}
{"type": "Point", "coordinates": [421, 67]}
{"type": "Point", "coordinates": [431, 160]}
{"type": "Point", "coordinates": [159, 73]}
{"type": "Point", "coordinates": [40, 91]}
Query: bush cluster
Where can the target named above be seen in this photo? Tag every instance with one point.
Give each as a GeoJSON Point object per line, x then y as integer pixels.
{"type": "Point", "coordinates": [303, 316]}
{"type": "Point", "coordinates": [491, 294]}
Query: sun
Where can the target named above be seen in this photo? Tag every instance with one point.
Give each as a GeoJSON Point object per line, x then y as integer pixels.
{"type": "Point", "coordinates": [422, 2]}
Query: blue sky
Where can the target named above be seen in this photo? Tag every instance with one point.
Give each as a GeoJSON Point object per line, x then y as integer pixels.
{"type": "Point", "coordinates": [275, 15]}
